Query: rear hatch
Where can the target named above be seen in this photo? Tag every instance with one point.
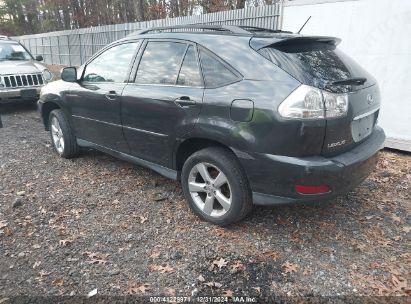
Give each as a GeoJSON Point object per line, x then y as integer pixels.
{"type": "Point", "coordinates": [316, 61]}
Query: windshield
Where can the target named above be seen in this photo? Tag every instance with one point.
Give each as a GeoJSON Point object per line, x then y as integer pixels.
{"type": "Point", "coordinates": [13, 51]}
{"type": "Point", "coordinates": [316, 64]}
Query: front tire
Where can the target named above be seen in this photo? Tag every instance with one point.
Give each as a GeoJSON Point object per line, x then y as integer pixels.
{"type": "Point", "coordinates": [62, 135]}
{"type": "Point", "coordinates": [216, 187]}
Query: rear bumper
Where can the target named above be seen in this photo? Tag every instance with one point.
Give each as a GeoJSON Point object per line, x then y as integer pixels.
{"type": "Point", "coordinates": [11, 95]}
{"type": "Point", "coordinates": [273, 177]}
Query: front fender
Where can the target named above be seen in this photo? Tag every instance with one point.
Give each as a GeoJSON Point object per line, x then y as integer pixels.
{"type": "Point", "coordinates": [52, 96]}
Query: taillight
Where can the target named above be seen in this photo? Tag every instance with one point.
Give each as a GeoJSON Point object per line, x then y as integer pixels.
{"type": "Point", "coordinates": [311, 103]}
{"type": "Point", "coordinates": [316, 189]}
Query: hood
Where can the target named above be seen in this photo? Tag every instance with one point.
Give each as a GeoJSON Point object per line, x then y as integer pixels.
{"type": "Point", "coordinates": [8, 67]}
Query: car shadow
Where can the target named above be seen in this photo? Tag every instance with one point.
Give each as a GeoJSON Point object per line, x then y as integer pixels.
{"type": "Point", "coordinates": [17, 107]}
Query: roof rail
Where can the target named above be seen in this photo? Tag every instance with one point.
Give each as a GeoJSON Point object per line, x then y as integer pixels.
{"type": "Point", "coordinates": [196, 28]}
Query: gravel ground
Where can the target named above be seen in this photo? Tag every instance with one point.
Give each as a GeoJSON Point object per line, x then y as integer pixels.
{"type": "Point", "coordinates": [68, 227]}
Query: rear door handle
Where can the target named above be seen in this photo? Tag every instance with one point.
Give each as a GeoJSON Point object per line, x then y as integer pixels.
{"type": "Point", "coordinates": [185, 101]}
{"type": "Point", "coordinates": [112, 95]}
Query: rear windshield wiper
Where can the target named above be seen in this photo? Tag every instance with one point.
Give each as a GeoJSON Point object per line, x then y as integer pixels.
{"type": "Point", "coordinates": [350, 81]}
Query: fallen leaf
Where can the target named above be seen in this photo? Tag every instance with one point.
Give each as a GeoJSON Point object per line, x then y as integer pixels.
{"type": "Point", "coordinates": [8, 231]}
{"type": "Point", "coordinates": [272, 254]}
{"type": "Point", "coordinates": [327, 250]}
{"type": "Point", "coordinates": [154, 254]}
{"type": "Point", "coordinates": [57, 282]}
{"type": "Point", "coordinates": [92, 293]}
{"type": "Point", "coordinates": [96, 255]}
{"type": "Point", "coordinates": [160, 268]}
{"type": "Point", "coordinates": [396, 218]}
{"type": "Point", "coordinates": [213, 284]}
{"type": "Point", "coordinates": [359, 246]}
{"type": "Point", "coordinates": [258, 289]}
{"type": "Point", "coordinates": [65, 242]}
{"type": "Point", "coordinates": [135, 289]}
{"type": "Point", "coordinates": [201, 278]}
{"type": "Point", "coordinates": [142, 219]}
{"type": "Point", "coordinates": [406, 229]}
{"type": "Point", "coordinates": [381, 288]}
{"type": "Point", "coordinates": [97, 262]}
{"type": "Point", "coordinates": [170, 291]}
{"type": "Point", "coordinates": [166, 269]}
{"type": "Point", "coordinates": [374, 265]}
{"type": "Point", "coordinates": [228, 293]}
{"type": "Point", "coordinates": [43, 273]}
{"type": "Point", "coordinates": [398, 282]}
{"type": "Point", "coordinates": [385, 243]}
{"type": "Point", "coordinates": [238, 266]}
{"type": "Point", "coordinates": [307, 270]}
{"type": "Point", "coordinates": [220, 263]}
{"type": "Point", "coordinates": [3, 224]}
{"type": "Point", "coordinates": [289, 267]}
{"type": "Point", "coordinates": [21, 193]}
{"type": "Point", "coordinates": [282, 221]}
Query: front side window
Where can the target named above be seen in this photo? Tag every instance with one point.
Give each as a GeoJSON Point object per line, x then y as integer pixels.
{"type": "Point", "coordinates": [189, 72]}
{"type": "Point", "coordinates": [160, 63]}
{"type": "Point", "coordinates": [112, 65]}
{"type": "Point", "coordinates": [216, 74]}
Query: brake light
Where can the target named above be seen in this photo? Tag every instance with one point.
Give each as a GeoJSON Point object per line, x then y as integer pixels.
{"type": "Point", "coordinates": [317, 189]}
{"type": "Point", "coordinates": [307, 102]}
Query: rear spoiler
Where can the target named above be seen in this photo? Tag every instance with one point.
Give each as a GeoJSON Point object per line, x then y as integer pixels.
{"type": "Point", "coordinates": [258, 43]}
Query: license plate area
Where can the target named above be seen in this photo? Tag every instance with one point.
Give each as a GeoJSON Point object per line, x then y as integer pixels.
{"type": "Point", "coordinates": [28, 93]}
{"type": "Point", "coordinates": [362, 128]}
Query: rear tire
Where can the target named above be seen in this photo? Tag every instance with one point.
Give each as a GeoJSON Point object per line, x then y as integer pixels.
{"type": "Point", "coordinates": [216, 187]}
{"type": "Point", "coordinates": [62, 135]}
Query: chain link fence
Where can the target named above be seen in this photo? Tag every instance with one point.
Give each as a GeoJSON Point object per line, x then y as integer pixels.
{"type": "Point", "coordinates": [74, 47]}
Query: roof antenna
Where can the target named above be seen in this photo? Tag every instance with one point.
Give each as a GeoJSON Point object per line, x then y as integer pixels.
{"type": "Point", "coordinates": [304, 25]}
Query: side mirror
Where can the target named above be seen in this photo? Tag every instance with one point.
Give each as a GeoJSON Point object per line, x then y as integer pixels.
{"type": "Point", "coordinates": [39, 58]}
{"type": "Point", "coordinates": [69, 74]}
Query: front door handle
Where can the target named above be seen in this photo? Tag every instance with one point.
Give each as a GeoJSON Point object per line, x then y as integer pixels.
{"type": "Point", "coordinates": [112, 95]}
{"type": "Point", "coordinates": [185, 101]}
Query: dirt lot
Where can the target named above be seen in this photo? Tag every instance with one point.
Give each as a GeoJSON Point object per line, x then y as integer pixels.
{"type": "Point", "coordinates": [68, 227]}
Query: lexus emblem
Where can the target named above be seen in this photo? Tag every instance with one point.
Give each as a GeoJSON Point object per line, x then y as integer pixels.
{"type": "Point", "coordinates": [370, 99]}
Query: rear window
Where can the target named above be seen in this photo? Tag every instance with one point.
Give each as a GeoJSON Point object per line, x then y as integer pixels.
{"type": "Point", "coordinates": [315, 64]}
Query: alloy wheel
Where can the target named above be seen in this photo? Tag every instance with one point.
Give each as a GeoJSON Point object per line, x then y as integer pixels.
{"type": "Point", "coordinates": [57, 135]}
{"type": "Point", "coordinates": [210, 190]}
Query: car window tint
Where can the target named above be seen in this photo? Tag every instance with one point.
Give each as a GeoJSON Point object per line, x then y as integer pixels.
{"type": "Point", "coordinates": [215, 73]}
{"type": "Point", "coordinates": [112, 65]}
{"type": "Point", "coordinates": [189, 73]}
{"type": "Point", "coordinates": [160, 62]}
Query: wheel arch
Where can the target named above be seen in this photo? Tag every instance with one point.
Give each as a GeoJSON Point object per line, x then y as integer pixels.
{"type": "Point", "coordinates": [46, 109]}
{"type": "Point", "coordinates": [191, 145]}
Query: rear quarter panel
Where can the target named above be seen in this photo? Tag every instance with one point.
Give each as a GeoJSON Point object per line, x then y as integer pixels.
{"type": "Point", "coordinates": [266, 132]}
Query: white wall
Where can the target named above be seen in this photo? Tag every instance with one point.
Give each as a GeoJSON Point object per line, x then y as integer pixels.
{"type": "Point", "coordinates": [377, 34]}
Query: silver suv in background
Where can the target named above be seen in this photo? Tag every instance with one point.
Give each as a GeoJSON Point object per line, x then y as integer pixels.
{"type": "Point", "coordinates": [21, 75]}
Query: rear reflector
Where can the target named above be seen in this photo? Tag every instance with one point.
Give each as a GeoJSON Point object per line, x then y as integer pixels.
{"type": "Point", "coordinates": [302, 189]}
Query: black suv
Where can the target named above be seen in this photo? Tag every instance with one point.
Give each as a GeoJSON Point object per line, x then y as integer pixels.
{"type": "Point", "coordinates": [239, 115]}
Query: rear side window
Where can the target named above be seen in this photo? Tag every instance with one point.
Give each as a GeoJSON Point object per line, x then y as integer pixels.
{"type": "Point", "coordinates": [160, 63]}
{"type": "Point", "coordinates": [189, 73]}
{"type": "Point", "coordinates": [216, 74]}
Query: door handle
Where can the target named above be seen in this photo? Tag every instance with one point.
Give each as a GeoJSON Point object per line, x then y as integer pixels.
{"type": "Point", "coordinates": [112, 95]}
{"type": "Point", "coordinates": [184, 101]}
